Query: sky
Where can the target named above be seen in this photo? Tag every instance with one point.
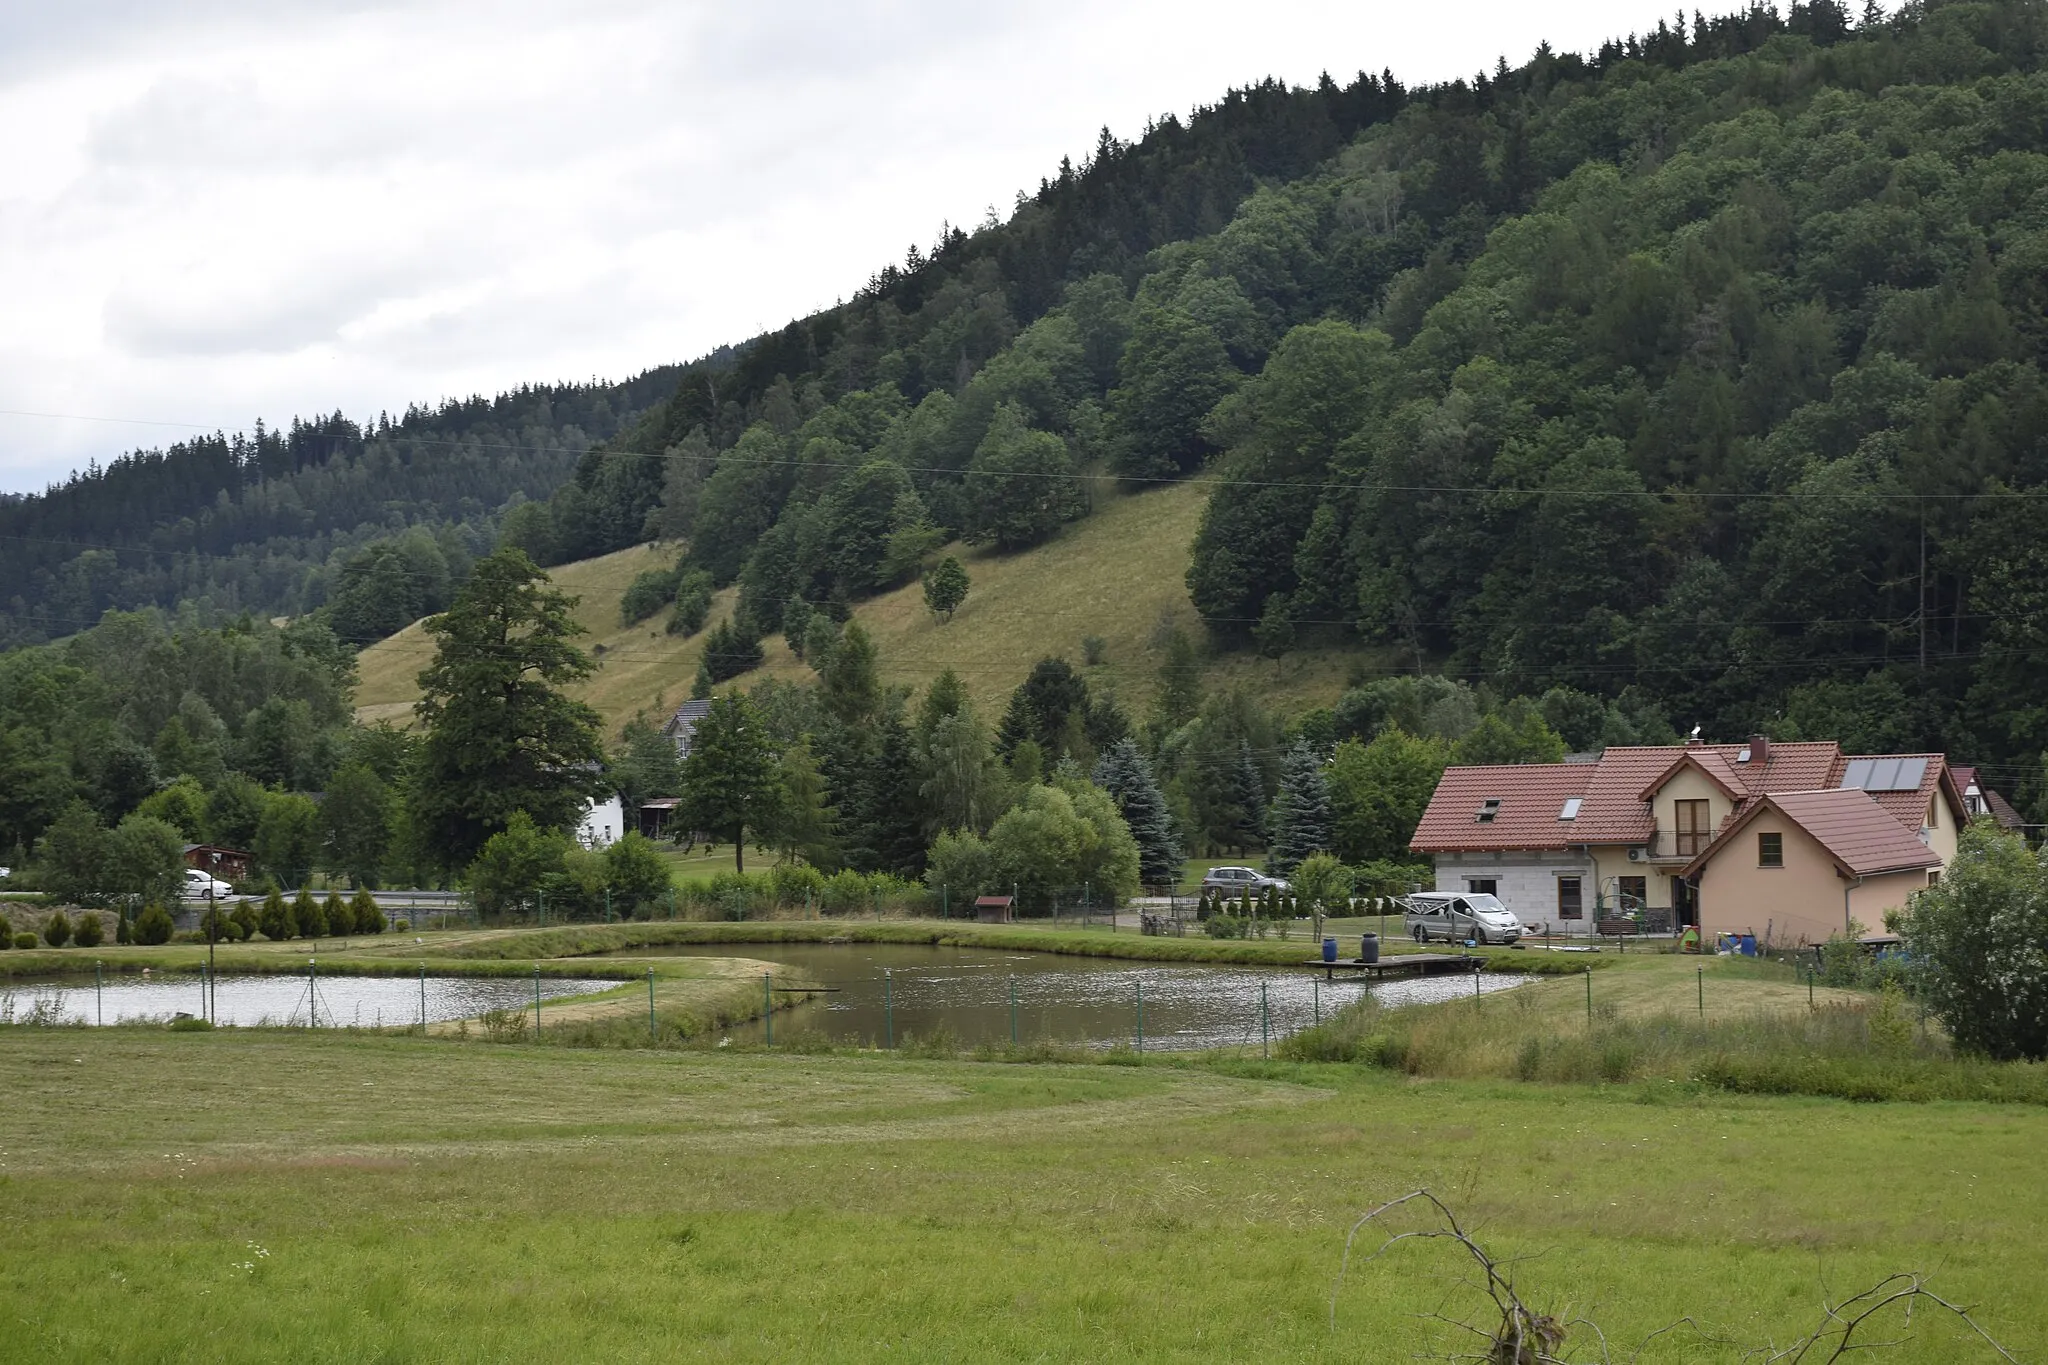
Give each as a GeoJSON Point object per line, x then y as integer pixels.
{"type": "Point", "coordinates": [215, 211]}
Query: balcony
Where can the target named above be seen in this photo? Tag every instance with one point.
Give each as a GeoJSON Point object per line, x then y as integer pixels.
{"type": "Point", "coordinates": [1678, 846]}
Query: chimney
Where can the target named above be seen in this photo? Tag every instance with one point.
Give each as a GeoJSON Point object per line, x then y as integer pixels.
{"type": "Point", "coordinates": [1759, 749]}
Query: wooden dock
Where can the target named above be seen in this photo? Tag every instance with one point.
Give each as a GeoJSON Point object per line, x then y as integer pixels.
{"type": "Point", "coordinates": [1421, 964]}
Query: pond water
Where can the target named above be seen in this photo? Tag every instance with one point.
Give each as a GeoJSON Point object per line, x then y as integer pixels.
{"type": "Point", "coordinates": [914, 991]}
{"type": "Point", "coordinates": [337, 1001]}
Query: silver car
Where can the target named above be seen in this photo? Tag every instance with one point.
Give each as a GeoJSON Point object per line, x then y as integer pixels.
{"type": "Point", "coordinates": [1458, 916]}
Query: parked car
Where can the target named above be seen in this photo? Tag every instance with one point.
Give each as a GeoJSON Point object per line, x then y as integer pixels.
{"type": "Point", "coordinates": [1456, 916]}
{"type": "Point", "coordinates": [1235, 881]}
{"type": "Point", "coordinates": [198, 886]}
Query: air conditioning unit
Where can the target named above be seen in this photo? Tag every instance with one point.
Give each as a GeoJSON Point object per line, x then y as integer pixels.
{"type": "Point", "coordinates": [1637, 855]}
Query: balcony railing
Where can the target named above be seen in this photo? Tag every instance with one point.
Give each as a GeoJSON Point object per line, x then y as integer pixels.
{"type": "Point", "coordinates": [1675, 844]}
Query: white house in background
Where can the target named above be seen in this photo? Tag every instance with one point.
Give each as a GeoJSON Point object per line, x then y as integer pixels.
{"type": "Point", "coordinates": [602, 824]}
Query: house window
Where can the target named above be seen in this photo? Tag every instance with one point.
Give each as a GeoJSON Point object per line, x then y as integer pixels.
{"type": "Point", "coordinates": [1693, 828]}
{"type": "Point", "coordinates": [1770, 850]}
{"type": "Point", "coordinates": [1635, 892]}
{"type": "Point", "coordinates": [1482, 886]}
{"type": "Point", "coordinates": [1488, 808]}
{"type": "Point", "coordinates": [1570, 903]}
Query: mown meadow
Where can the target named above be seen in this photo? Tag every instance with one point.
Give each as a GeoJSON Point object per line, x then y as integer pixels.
{"type": "Point", "coordinates": [243, 1195]}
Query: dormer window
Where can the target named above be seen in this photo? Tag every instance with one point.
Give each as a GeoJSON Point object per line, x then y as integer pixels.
{"type": "Point", "coordinates": [1488, 808]}
{"type": "Point", "coordinates": [1571, 808]}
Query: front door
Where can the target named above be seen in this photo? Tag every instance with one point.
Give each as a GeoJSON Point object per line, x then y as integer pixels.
{"type": "Point", "coordinates": [1685, 901]}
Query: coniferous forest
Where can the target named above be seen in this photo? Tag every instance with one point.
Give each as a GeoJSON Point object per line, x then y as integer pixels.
{"type": "Point", "coordinates": [1698, 379]}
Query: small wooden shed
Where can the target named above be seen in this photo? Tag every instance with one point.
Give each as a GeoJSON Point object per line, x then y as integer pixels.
{"type": "Point", "coordinates": [993, 909]}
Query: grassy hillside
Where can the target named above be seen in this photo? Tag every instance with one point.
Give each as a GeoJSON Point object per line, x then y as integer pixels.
{"type": "Point", "coordinates": [1118, 575]}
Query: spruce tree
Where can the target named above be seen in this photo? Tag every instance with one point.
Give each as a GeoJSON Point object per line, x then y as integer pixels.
{"type": "Point", "coordinates": [1302, 822]}
{"type": "Point", "coordinates": [1124, 774]}
{"type": "Point", "coordinates": [1248, 798]}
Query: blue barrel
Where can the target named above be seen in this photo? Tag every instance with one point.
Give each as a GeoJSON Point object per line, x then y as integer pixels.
{"type": "Point", "coordinates": [1369, 948]}
{"type": "Point", "coordinates": [1748, 945]}
{"type": "Point", "coordinates": [1329, 950]}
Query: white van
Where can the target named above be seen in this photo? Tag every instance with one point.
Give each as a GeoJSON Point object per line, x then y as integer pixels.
{"type": "Point", "coordinates": [1456, 916]}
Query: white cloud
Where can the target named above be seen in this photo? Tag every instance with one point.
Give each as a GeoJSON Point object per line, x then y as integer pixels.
{"type": "Point", "coordinates": [269, 209]}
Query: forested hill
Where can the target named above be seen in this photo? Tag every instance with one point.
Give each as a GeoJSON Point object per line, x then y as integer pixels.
{"type": "Point", "coordinates": [1705, 369]}
{"type": "Point", "coordinates": [261, 521]}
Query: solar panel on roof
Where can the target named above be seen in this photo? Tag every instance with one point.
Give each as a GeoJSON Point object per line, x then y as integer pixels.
{"type": "Point", "coordinates": [1885, 774]}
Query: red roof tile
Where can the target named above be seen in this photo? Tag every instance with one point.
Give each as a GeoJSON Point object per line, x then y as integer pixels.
{"type": "Point", "coordinates": [1856, 831]}
{"type": "Point", "coordinates": [1531, 795]}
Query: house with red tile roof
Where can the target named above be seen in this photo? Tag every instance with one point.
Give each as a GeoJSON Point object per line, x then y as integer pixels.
{"type": "Point", "coordinates": [1646, 828]}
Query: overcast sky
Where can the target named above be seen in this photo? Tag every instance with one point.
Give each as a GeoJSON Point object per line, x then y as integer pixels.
{"type": "Point", "coordinates": [215, 211]}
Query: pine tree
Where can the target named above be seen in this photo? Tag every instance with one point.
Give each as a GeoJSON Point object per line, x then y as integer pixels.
{"type": "Point", "coordinates": [1302, 822]}
{"type": "Point", "coordinates": [1248, 796]}
{"type": "Point", "coordinates": [1124, 774]}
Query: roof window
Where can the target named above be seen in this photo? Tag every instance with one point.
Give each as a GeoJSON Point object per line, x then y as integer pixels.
{"type": "Point", "coordinates": [1488, 808]}
{"type": "Point", "coordinates": [1571, 808]}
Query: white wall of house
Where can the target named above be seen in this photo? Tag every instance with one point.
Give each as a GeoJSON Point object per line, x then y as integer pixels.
{"type": "Point", "coordinates": [602, 824]}
{"type": "Point", "coordinates": [1526, 882]}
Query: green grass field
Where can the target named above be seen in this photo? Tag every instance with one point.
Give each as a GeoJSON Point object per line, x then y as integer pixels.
{"type": "Point", "coordinates": [1115, 575]}
{"type": "Point", "coordinates": [249, 1196]}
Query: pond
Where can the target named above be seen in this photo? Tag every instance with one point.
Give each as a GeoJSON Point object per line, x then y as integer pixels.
{"type": "Point", "coordinates": [977, 995]}
{"type": "Point", "coordinates": [336, 1001]}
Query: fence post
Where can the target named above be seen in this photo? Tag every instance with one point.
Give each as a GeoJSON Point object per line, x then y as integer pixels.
{"type": "Point", "coordinates": [1140, 983]}
{"type": "Point", "coordinates": [888, 1008]}
{"type": "Point", "coordinates": [768, 1005]}
{"type": "Point", "coordinates": [1316, 989]}
{"type": "Point", "coordinates": [1589, 996]}
{"type": "Point", "coordinates": [1475, 985]}
{"type": "Point", "coordinates": [99, 1003]}
{"type": "Point", "coordinates": [1702, 982]}
{"type": "Point", "coordinates": [423, 997]}
{"type": "Point", "coordinates": [543, 893]}
{"type": "Point", "coordinates": [671, 901]}
{"type": "Point", "coordinates": [607, 905]}
{"type": "Point", "coordinates": [652, 1034]}
{"type": "Point", "coordinates": [1265, 1025]}
{"type": "Point", "coordinates": [1809, 988]}
{"type": "Point", "coordinates": [536, 1002]}
{"type": "Point", "coordinates": [945, 901]}
{"type": "Point", "coordinates": [312, 997]}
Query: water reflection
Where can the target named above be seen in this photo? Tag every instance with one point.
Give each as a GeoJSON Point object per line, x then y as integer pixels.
{"type": "Point", "coordinates": [335, 1001]}
{"type": "Point", "coordinates": [977, 995]}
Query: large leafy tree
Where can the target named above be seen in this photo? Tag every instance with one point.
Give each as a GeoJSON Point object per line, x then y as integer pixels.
{"type": "Point", "coordinates": [731, 786]}
{"type": "Point", "coordinates": [1021, 486]}
{"type": "Point", "coordinates": [501, 734]}
{"type": "Point", "coordinates": [1378, 792]}
{"type": "Point", "coordinates": [358, 812]}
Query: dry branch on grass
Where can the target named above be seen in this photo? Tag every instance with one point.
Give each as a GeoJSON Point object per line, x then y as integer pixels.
{"type": "Point", "coordinates": [1520, 1335]}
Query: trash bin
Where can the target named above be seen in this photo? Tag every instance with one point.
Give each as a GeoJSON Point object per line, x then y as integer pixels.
{"type": "Point", "coordinates": [1369, 948]}
{"type": "Point", "coordinates": [1329, 950]}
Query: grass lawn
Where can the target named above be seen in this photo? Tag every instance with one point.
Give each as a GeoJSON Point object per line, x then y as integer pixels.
{"type": "Point", "coordinates": [267, 1196]}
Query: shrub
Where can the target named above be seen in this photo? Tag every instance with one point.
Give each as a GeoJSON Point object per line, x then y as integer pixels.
{"type": "Point", "coordinates": [648, 593]}
{"type": "Point", "coordinates": [191, 1024]}
{"type": "Point", "coordinates": [846, 893]}
{"type": "Point", "coordinates": [57, 930]}
{"type": "Point", "coordinates": [1094, 650]}
{"type": "Point", "coordinates": [276, 919]}
{"type": "Point", "coordinates": [246, 920]}
{"type": "Point", "coordinates": [307, 915]}
{"type": "Point", "coordinates": [403, 926]}
{"type": "Point", "coordinates": [369, 917]}
{"type": "Point", "coordinates": [6, 935]}
{"type": "Point", "coordinates": [153, 926]}
{"type": "Point", "coordinates": [88, 932]}
{"type": "Point", "coordinates": [794, 884]}
{"type": "Point", "coordinates": [693, 603]}
{"type": "Point", "coordinates": [1224, 926]}
{"type": "Point", "coordinates": [341, 920]}
{"type": "Point", "coordinates": [24, 940]}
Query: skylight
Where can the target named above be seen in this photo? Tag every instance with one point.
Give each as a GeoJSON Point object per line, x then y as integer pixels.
{"type": "Point", "coordinates": [1488, 808]}
{"type": "Point", "coordinates": [1571, 808]}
